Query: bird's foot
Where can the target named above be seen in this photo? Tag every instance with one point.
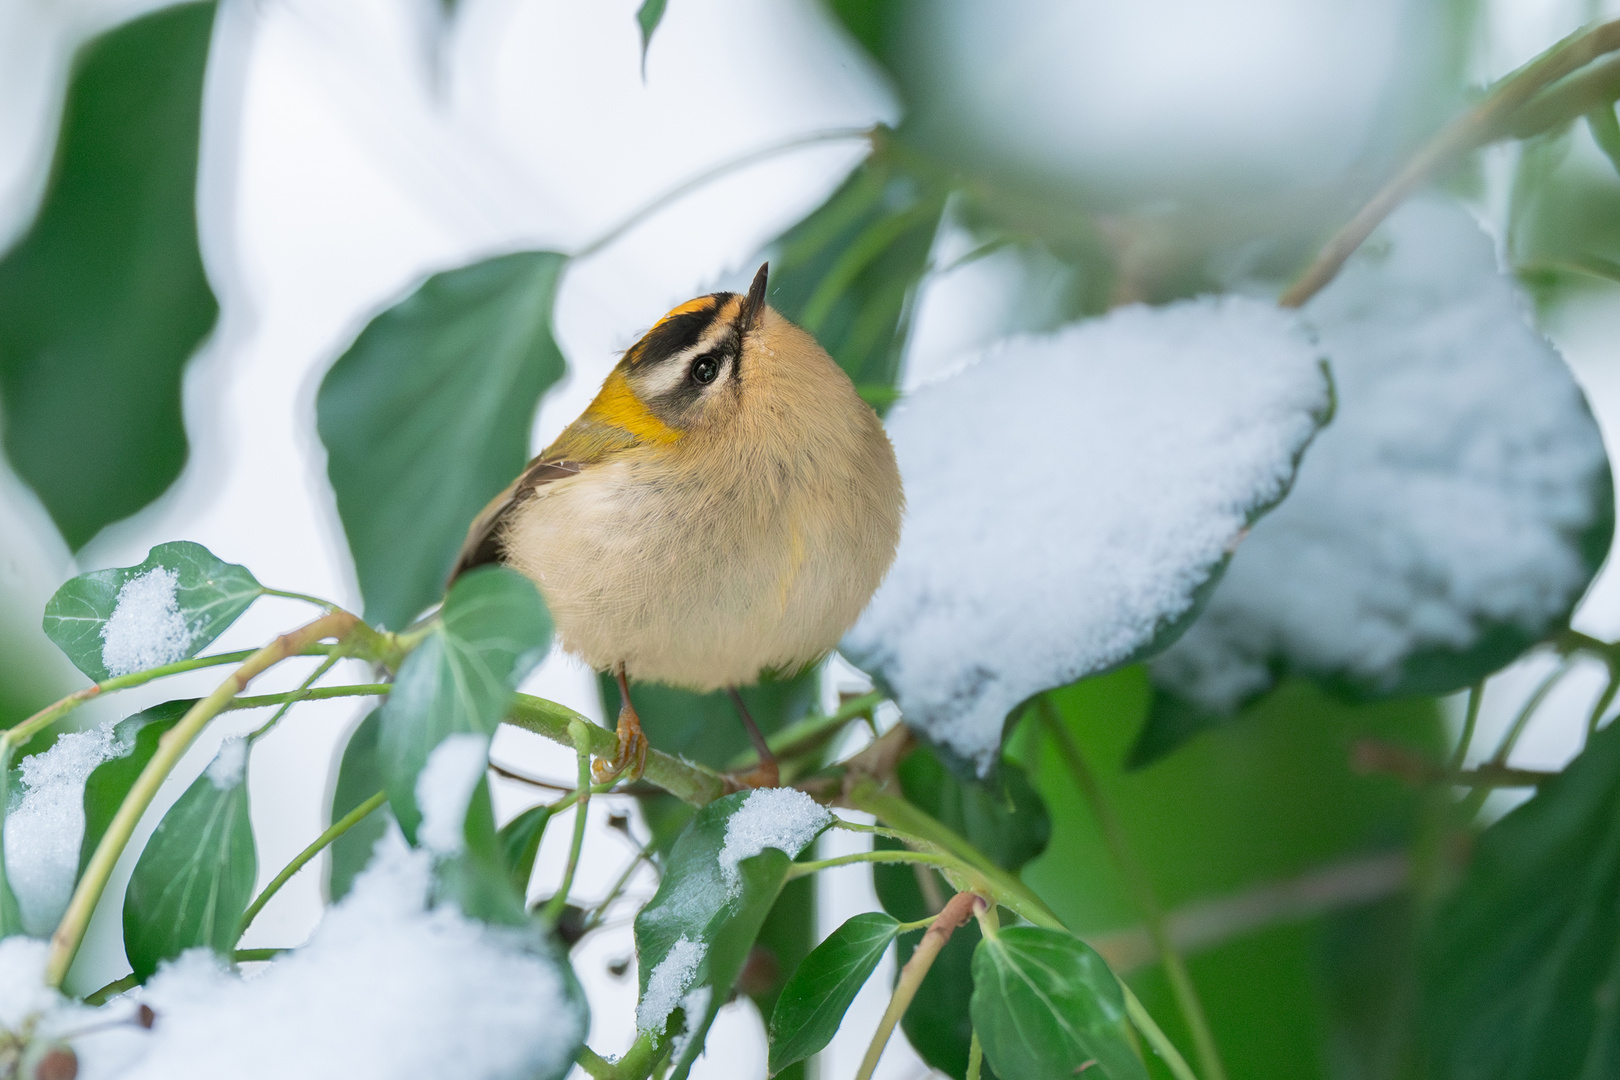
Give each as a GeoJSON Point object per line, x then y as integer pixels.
{"type": "Point", "coordinates": [631, 753]}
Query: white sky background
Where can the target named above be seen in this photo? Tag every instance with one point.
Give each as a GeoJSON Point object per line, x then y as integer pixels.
{"type": "Point", "coordinates": [335, 176]}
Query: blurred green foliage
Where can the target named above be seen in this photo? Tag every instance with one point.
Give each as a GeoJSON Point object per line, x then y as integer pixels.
{"type": "Point", "coordinates": [105, 299]}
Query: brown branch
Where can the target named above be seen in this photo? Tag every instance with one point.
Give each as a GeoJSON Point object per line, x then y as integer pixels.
{"type": "Point", "coordinates": [1484, 123]}
{"type": "Point", "coordinates": [1377, 756]}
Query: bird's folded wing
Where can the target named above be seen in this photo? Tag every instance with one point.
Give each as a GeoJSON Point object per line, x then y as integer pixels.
{"type": "Point", "coordinates": [483, 540]}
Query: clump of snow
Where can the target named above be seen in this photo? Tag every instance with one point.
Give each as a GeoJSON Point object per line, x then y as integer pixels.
{"type": "Point", "coordinates": [694, 1006]}
{"type": "Point", "coordinates": [24, 997]}
{"type": "Point", "coordinates": [45, 825]}
{"type": "Point", "coordinates": [445, 786]}
{"type": "Point", "coordinates": [386, 987]}
{"type": "Point", "coordinates": [146, 628]}
{"type": "Point", "coordinates": [229, 765]}
{"type": "Point", "coordinates": [668, 984]}
{"type": "Point", "coordinates": [1445, 498]}
{"type": "Point", "coordinates": [1067, 496]}
{"type": "Point", "coordinates": [783, 818]}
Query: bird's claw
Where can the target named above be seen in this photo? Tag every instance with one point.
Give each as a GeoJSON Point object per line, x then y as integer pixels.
{"type": "Point", "coordinates": [631, 753]}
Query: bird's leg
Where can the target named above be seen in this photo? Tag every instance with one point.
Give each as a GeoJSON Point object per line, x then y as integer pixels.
{"type": "Point", "coordinates": [767, 774]}
{"type": "Point", "coordinates": [632, 751]}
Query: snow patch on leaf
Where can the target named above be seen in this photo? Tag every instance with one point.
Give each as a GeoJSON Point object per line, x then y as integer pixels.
{"type": "Point", "coordinates": [1069, 494]}
{"type": "Point", "coordinates": [45, 827]}
{"type": "Point", "coordinates": [1447, 497]}
{"type": "Point", "coordinates": [146, 629]}
{"type": "Point", "coordinates": [668, 984]}
{"type": "Point", "coordinates": [445, 786]}
{"type": "Point", "coordinates": [782, 818]}
{"type": "Point", "coordinates": [229, 765]}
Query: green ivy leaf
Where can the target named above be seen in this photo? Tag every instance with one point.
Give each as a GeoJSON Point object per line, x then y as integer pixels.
{"type": "Point", "coordinates": [187, 597]}
{"type": "Point", "coordinates": [492, 631]}
{"type": "Point", "coordinates": [713, 922]}
{"type": "Point", "coordinates": [360, 776]}
{"type": "Point", "coordinates": [815, 999]}
{"type": "Point", "coordinates": [426, 418]}
{"type": "Point", "coordinates": [105, 299]}
{"type": "Point", "coordinates": [1046, 1007]}
{"type": "Point", "coordinates": [1523, 963]}
{"type": "Point", "coordinates": [520, 843]}
{"type": "Point", "coordinates": [648, 16]}
{"type": "Point", "coordinates": [195, 878]}
{"type": "Point", "coordinates": [109, 783]}
{"type": "Point", "coordinates": [477, 878]}
{"type": "Point", "coordinates": [847, 272]}
{"type": "Point", "coordinates": [1007, 820]}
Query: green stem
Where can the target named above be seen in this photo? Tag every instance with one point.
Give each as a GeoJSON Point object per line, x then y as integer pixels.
{"type": "Point", "coordinates": [975, 1056]}
{"type": "Point", "coordinates": [582, 799]}
{"type": "Point", "coordinates": [339, 827]}
{"type": "Point", "coordinates": [171, 746]}
{"type": "Point", "coordinates": [1135, 874]}
{"type": "Point", "coordinates": [305, 597]}
{"type": "Point", "coordinates": [1481, 124]}
{"type": "Point", "coordinates": [690, 783]}
{"type": "Point", "coordinates": [20, 733]}
{"type": "Point", "coordinates": [709, 175]}
{"type": "Point", "coordinates": [803, 869]}
{"type": "Point", "coordinates": [916, 826]}
{"type": "Point", "coordinates": [314, 693]}
{"type": "Point", "coordinates": [1470, 806]}
{"type": "Point", "coordinates": [1144, 1022]}
{"type": "Point", "coordinates": [1476, 693]}
{"type": "Point", "coordinates": [112, 990]}
{"type": "Point", "coordinates": [256, 956]}
{"type": "Point", "coordinates": [320, 669]}
{"type": "Point", "coordinates": [1604, 700]}
{"type": "Point", "coordinates": [637, 1064]}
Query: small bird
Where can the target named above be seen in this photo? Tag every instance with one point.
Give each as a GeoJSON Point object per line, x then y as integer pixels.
{"type": "Point", "coordinates": [726, 506]}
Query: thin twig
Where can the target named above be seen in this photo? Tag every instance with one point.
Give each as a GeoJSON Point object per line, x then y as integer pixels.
{"type": "Point", "coordinates": [958, 911]}
{"type": "Point", "coordinates": [715, 172]}
{"type": "Point", "coordinates": [299, 861]}
{"type": "Point", "coordinates": [1482, 124]}
{"type": "Point", "coordinates": [1476, 694]}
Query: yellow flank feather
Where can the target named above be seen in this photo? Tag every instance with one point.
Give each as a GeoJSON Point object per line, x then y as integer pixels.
{"type": "Point", "coordinates": [795, 564]}
{"type": "Point", "coordinates": [617, 406]}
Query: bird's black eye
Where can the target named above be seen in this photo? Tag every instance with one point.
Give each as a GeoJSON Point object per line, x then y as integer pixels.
{"type": "Point", "coordinates": [704, 369]}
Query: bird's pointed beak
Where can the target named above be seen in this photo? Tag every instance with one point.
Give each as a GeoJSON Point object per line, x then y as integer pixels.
{"type": "Point", "coordinates": [754, 306]}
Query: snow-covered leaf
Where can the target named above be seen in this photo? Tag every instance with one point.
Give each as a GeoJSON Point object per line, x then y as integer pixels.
{"type": "Point", "coordinates": [105, 299]}
{"type": "Point", "coordinates": [426, 418]}
{"type": "Point", "coordinates": [458, 827]}
{"type": "Point", "coordinates": [720, 880]}
{"type": "Point", "coordinates": [127, 619]}
{"type": "Point", "coordinates": [195, 877]}
{"type": "Point", "coordinates": [1070, 495]}
{"type": "Point", "coordinates": [1451, 515]}
{"type": "Point", "coordinates": [492, 631]}
{"type": "Point", "coordinates": [388, 986]}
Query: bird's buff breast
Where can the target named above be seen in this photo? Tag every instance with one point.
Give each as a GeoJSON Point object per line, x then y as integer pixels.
{"type": "Point", "coordinates": [695, 583]}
